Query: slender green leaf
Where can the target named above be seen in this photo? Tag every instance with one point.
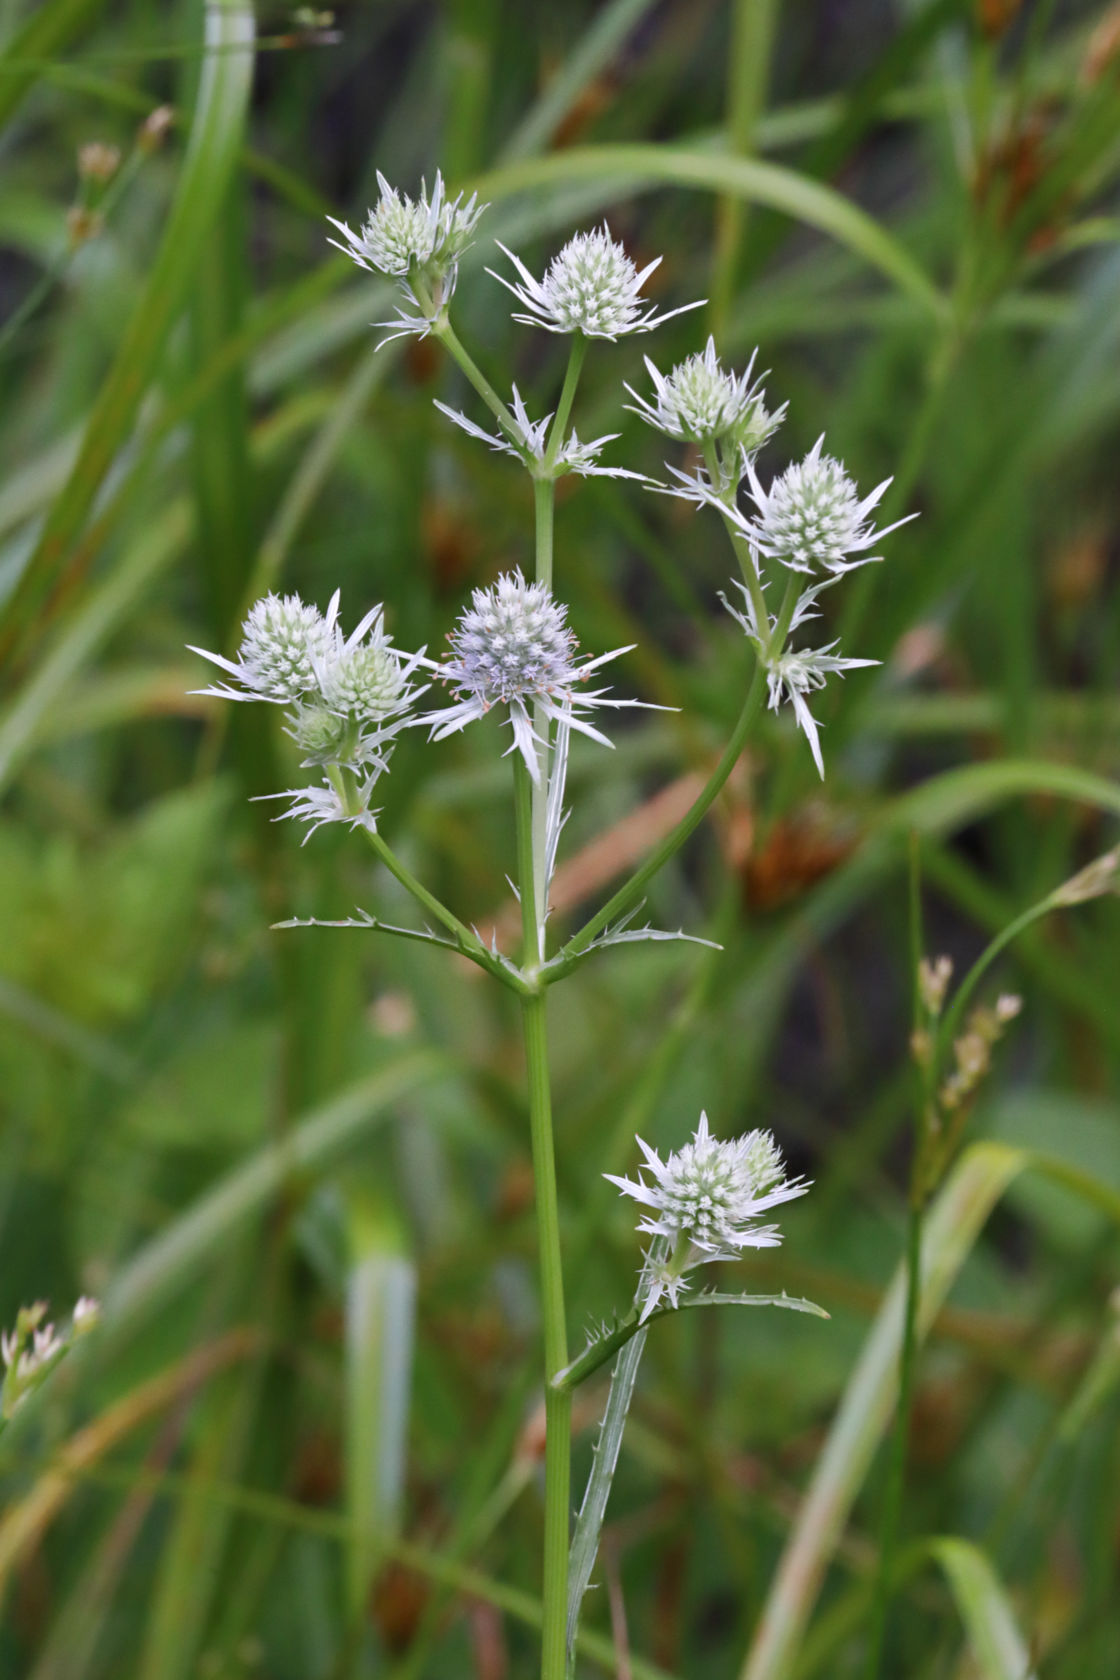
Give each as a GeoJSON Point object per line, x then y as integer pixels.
{"type": "Point", "coordinates": [999, 1648]}
{"type": "Point", "coordinates": [50, 28]}
{"type": "Point", "coordinates": [641, 167]}
{"type": "Point", "coordinates": [211, 155]}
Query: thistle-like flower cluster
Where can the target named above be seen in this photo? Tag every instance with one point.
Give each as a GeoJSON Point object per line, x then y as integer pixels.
{"type": "Point", "coordinates": [347, 696]}
{"type": "Point", "coordinates": [812, 517]}
{"type": "Point", "coordinates": [32, 1349]}
{"type": "Point", "coordinates": [419, 243]}
{"type": "Point", "coordinates": [512, 646]}
{"type": "Point", "coordinates": [590, 287]}
{"type": "Point", "coordinates": [705, 1202]}
{"type": "Point", "coordinates": [810, 520]}
{"type": "Point", "coordinates": [701, 402]}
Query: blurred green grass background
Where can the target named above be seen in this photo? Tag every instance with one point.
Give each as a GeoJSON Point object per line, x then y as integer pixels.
{"type": "Point", "coordinates": [295, 1165]}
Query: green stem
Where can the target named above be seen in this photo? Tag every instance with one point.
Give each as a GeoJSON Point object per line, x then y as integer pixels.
{"type": "Point", "coordinates": [629, 894]}
{"type": "Point", "coordinates": [544, 498]}
{"type": "Point", "coordinates": [752, 30]}
{"type": "Point", "coordinates": [449, 338]}
{"type": "Point", "coordinates": [739, 542]}
{"type": "Point", "coordinates": [467, 940]}
{"type": "Point", "coordinates": [896, 1471]}
{"type": "Point", "coordinates": [567, 396]}
{"type": "Point", "coordinates": [558, 1403]}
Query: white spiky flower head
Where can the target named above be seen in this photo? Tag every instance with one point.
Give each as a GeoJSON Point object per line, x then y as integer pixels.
{"type": "Point", "coordinates": [590, 287]}
{"type": "Point", "coordinates": [702, 402]}
{"type": "Point", "coordinates": [512, 646]}
{"type": "Point", "coordinates": [362, 677]}
{"type": "Point", "coordinates": [280, 641]}
{"type": "Point", "coordinates": [417, 241]}
{"type": "Point", "coordinates": [812, 515]}
{"type": "Point", "coordinates": [705, 1202]}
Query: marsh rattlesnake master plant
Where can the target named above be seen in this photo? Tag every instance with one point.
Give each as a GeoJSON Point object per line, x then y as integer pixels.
{"type": "Point", "coordinates": [347, 700]}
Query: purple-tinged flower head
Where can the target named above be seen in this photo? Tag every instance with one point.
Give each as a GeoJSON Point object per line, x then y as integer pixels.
{"type": "Point", "coordinates": [512, 647]}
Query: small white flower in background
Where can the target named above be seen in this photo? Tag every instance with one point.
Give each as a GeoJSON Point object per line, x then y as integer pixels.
{"type": "Point", "coordinates": [416, 241]}
{"type": "Point", "coordinates": [512, 647]}
{"type": "Point", "coordinates": [934, 976]}
{"type": "Point", "coordinates": [700, 402]}
{"type": "Point", "coordinates": [531, 442]}
{"type": "Point", "coordinates": [705, 1201]}
{"type": "Point", "coordinates": [86, 1314]}
{"type": "Point", "coordinates": [32, 1349]}
{"type": "Point", "coordinates": [590, 287]}
{"type": "Point", "coordinates": [812, 515]}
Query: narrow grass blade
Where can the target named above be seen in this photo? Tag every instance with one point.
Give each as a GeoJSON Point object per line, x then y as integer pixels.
{"type": "Point", "coordinates": [380, 1316]}
{"type": "Point", "coordinates": [47, 32]}
{"type": "Point", "coordinates": [24, 1523]}
{"type": "Point", "coordinates": [600, 42]}
{"type": "Point", "coordinates": [211, 155]}
{"type": "Point", "coordinates": [188, 1582]}
{"type": "Point", "coordinates": [989, 1621]}
{"type": "Point", "coordinates": [98, 616]}
{"type": "Point", "coordinates": [955, 1220]}
{"type": "Point", "coordinates": [197, 1236]}
{"type": "Point", "coordinates": [638, 167]}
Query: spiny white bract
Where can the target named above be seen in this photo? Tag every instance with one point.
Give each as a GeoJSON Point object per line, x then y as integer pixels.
{"type": "Point", "coordinates": [705, 1200]}
{"type": "Point", "coordinates": [528, 442]}
{"type": "Point", "coordinates": [512, 646]}
{"type": "Point", "coordinates": [794, 674]}
{"type": "Point", "coordinates": [417, 241]}
{"type": "Point", "coordinates": [812, 516]}
{"type": "Point", "coordinates": [590, 287]}
{"type": "Point", "coordinates": [701, 402]}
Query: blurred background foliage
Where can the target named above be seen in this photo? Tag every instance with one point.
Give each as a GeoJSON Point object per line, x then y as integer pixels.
{"type": "Point", "coordinates": [295, 1164]}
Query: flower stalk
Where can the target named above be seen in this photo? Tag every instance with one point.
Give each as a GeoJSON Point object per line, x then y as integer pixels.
{"type": "Point", "coordinates": [558, 1403]}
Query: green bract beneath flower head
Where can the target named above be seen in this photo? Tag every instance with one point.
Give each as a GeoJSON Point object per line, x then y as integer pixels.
{"type": "Point", "coordinates": [319, 733]}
